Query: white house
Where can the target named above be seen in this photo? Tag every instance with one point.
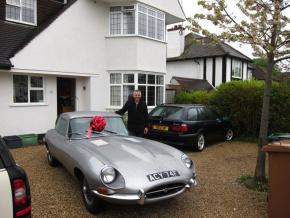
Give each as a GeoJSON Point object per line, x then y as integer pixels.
{"type": "Point", "coordinates": [70, 55]}
{"type": "Point", "coordinates": [194, 57]}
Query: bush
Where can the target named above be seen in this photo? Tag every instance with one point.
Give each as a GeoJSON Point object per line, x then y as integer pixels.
{"type": "Point", "coordinates": [241, 101]}
{"type": "Point", "coordinates": [197, 97]}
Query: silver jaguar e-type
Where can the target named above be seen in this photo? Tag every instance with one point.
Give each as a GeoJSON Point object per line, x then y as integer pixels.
{"type": "Point", "coordinates": [115, 167]}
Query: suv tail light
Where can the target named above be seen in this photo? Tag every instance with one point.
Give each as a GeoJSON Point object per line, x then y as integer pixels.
{"type": "Point", "coordinates": [20, 198]}
{"type": "Point", "coordinates": [179, 128]}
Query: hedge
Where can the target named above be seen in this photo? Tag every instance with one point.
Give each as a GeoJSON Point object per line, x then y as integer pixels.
{"type": "Point", "coordinates": [241, 101]}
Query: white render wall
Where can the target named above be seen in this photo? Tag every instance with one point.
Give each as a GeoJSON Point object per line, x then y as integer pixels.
{"type": "Point", "coordinates": [187, 69]}
{"type": "Point", "coordinates": [26, 119]}
{"type": "Point", "coordinates": [175, 40]}
{"type": "Point", "coordinates": [135, 53]}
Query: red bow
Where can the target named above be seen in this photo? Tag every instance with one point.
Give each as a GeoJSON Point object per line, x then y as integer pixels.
{"type": "Point", "coordinates": [98, 124]}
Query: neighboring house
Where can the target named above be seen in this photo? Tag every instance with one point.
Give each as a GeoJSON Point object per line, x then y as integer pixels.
{"type": "Point", "coordinates": [194, 57]}
{"type": "Point", "coordinates": [58, 56]}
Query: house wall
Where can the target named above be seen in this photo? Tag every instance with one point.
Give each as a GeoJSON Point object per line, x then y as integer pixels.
{"type": "Point", "coordinates": [175, 40]}
{"type": "Point", "coordinates": [141, 54]}
{"type": "Point", "coordinates": [229, 70]}
{"type": "Point", "coordinates": [209, 68]}
{"type": "Point", "coordinates": [245, 71]}
{"type": "Point", "coordinates": [187, 69]}
{"type": "Point", "coordinates": [26, 119]}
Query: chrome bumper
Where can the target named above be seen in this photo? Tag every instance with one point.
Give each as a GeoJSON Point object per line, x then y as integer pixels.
{"type": "Point", "coordinates": [140, 198]}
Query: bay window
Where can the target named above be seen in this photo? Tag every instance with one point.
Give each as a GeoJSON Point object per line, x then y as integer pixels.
{"type": "Point", "coordinates": [28, 89]}
{"type": "Point", "coordinates": [22, 11]}
{"type": "Point", "coordinates": [123, 84]}
{"type": "Point", "coordinates": [137, 20]}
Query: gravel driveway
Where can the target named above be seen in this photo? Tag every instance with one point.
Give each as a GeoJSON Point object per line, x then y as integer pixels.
{"type": "Point", "coordinates": [56, 194]}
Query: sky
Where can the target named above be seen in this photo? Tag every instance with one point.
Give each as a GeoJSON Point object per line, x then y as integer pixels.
{"type": "Point", "coordinates": [190, 7]}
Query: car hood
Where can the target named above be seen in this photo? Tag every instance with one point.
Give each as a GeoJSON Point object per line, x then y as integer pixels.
{"type": "Point", "coordinates": [135, 157]}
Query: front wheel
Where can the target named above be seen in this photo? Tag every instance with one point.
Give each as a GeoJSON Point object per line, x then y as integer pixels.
{"type": "Point", "coordinates": [229, 135]}
{"type": "Point", "coordinates": [200, 142]}
{"type": "Point", "coordinates": [51, 160]}
{"type": "Point", "coordinates": [92, 203]}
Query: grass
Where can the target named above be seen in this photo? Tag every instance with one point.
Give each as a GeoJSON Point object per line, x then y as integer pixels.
{"type": "Point", "coordinates": [249, 182]}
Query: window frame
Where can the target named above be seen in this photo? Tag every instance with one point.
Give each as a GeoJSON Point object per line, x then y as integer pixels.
{"type": "Point", "coordinates": [29, 88]}
{"type": "Point", "coordinates": [136, 84]}
{"type": "Point", "coordinates": [159, 16]}
{"type": "Point", "coordinates": [21, 9]}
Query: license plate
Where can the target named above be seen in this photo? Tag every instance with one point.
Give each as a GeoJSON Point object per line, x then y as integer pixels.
{"type": "Point", "coordinates": [161, 128]}
{"type": "Point", "coordinates": [162, 175]}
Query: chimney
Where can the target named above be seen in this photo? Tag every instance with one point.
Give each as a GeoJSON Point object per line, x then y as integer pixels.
{"type": "Point", "coordinates": [175, 40]}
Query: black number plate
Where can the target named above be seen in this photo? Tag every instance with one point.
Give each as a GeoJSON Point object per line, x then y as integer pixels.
{"type": "Point", "coordinates": [162, 175]}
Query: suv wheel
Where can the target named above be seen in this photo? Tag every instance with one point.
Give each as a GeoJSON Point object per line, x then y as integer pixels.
{"type": "Point", "coordinates": [229, 135]}
{"type": "Point", "coordinates": [200, 142]}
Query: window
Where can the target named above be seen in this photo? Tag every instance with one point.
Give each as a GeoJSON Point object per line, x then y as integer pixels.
{"type": "Point", "coordinates": [237, 69]}
{"type": "Point", "coordinates": [168, 112]}
{"type": "Point", "coordinates": [137, 20]}
{"type": "Point", "coordinates": [192, 114]}
{"type": "Point", "coordinates": [23, 11]}
{"type": "Point", "coordinates": [61, 126]}
{"type": "Point", "coordinates": [123, 84]}
{"type": "Point", "coordinates": [28, 89]}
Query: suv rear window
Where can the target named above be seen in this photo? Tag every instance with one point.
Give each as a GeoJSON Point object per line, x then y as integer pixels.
{"type": "Point", "coordinates": [167, 112]}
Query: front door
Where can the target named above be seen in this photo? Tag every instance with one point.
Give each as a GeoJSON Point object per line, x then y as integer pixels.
{"type": "Point", "coordinates": [66, 92]}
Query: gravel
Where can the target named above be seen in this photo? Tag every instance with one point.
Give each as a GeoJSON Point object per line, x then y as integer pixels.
{"type": "Point", "coordinates": [55, 193]}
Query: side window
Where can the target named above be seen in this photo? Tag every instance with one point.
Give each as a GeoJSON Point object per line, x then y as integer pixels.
{"type": "Point", "coordinates": [211, 114]}
{"type": "Point", "coordinates": [192, 114]}
{"type": "Point", "coordinates": [61, 126]}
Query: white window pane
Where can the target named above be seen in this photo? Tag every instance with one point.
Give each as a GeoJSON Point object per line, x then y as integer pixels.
{"type": "Point", "coordinates": [127, 91]}
{"type": "Point", "coordinates": [12, 12]}
{"type": "Point", "coordinates": [160, 29]}
{"type": "Point", "coordinates": [36, 96]}
{"type": "Point", "coordinates": [160, 80]}
{"type": "Point", "coordinates": [117, 8]}
{"type": "Point", "coordinates": [151, 26]}
{"type": "Point", "coordinates": [160, 15]}
{"type": "Point", "coordinates": [143, 93]}
{"type": "Point", "coordinates": [151, 12]}
{"type": "Point", "coordinates": [28, 15]}
{"type": "Point", "coordinates": [129, 22]}
{"type": "Point", "coordinates": [115, 78]}
{"type": "Point", "coordinates": [142, 24]}
{"type": "Point", "coordinates": [115, 95]}
{"type": "Point", "coordinates": [36, 82]}
{"type": "Point", "coordinates": [28, 4]}
{"type": "Point", "coordinates": [13, 2]}
{"type": "Point", "coordinates": [151, 96]}
{"type": "Point", "coordinates": [20, 89]}
{"type": "Point", "coordinates": [151, 79]}
{"type": "Point", "coordinates": [142, 9]}
{"type": "Point", "coordinates": [115, 21]}
{"type": "Point", "coordinates": [159, 95]}
{"type": "Point", "coordinates": [142, 78]}
{"type": "Point", "coordinates": [128, 78]}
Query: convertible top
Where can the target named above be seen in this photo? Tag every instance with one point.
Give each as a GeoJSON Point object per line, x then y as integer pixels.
{"type": "Point", "coordinates": [71, 115]}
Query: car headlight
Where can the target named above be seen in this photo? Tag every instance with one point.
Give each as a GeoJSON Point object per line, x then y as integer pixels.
{"type": "Point", "coordinates": [108, 175]}
{"type": "Point", "coordinates": [186, 160]}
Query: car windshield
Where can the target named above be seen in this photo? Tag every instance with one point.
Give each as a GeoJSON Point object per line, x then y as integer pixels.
{"type": "Point", "coordinates": [167, 112]}
{"type": "Point", "coordinates": [79, 127]}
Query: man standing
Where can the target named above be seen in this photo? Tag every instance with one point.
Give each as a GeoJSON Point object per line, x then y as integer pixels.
{"type": "Point", "coordinates": [137, 115]}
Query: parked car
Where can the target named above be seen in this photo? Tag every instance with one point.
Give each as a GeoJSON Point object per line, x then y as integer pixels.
{"type": "Point", "coordinates": [189, 125]}
{"type": "Point", "coordinates": [14, 187]}
{"type": "Point", "coordinates": [114, 167]}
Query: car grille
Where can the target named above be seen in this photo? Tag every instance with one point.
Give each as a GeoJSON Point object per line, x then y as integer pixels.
{"type": "Point", "coordinates": [164, 190]}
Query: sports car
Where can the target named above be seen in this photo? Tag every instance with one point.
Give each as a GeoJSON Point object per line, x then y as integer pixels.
{"type": "Point", "coordinates": [113, 166]}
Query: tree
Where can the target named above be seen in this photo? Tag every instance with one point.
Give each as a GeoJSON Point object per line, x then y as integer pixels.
{"type": "Point", "coordinates": [262, 24]}
{"type": "Point", "coordinates": [262, 62]}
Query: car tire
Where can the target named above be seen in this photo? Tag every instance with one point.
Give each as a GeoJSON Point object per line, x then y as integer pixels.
{"type": "Point", "coordinates": [200, 142]}
{"type": "Point", "coordinates": [51, 160]}
{"type": "Point", "coordinates": [229, 134]}
{"type": "Point", "coordinates": [93, 204]}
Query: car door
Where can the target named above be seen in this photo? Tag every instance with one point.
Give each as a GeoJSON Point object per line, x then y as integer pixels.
{"type": "Point", "coordinates": [195, 125]}
{"type": "Point", "coordinates": [59, 139]}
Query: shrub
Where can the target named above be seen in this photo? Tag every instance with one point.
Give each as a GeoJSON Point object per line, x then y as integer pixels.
{"type": "Point", "coordinates": [241, 101]}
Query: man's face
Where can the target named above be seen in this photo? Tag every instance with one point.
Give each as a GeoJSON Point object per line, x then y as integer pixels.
{"type": "Point", "coordinates": [137, 95]}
